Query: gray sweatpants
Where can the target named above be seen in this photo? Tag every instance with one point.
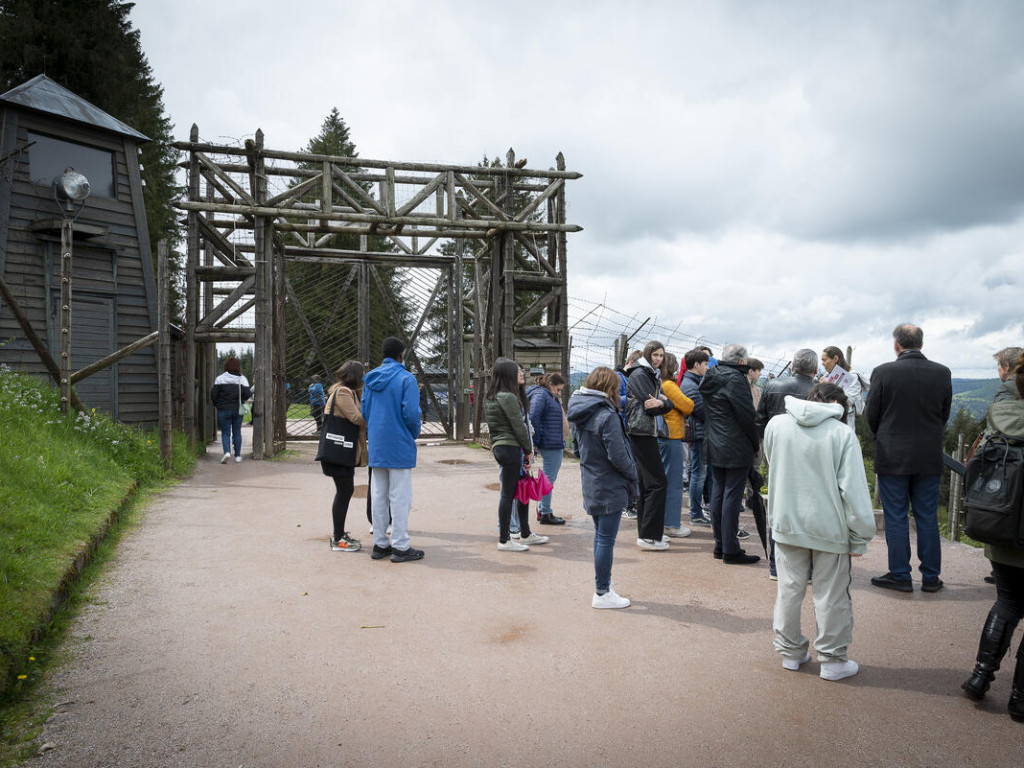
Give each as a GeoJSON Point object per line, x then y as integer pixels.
{"type": "Point", "coordinates": [833, 608]}
{"type": "Point", "coordinates": [391, 488]}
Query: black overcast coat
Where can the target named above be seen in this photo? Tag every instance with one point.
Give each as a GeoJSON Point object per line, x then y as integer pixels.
{"type": "Point", "coordinates": [907, 409]}
{"type": "Point", "coordinates": [731, 438]}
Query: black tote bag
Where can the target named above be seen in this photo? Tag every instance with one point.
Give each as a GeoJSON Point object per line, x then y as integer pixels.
{"type": "Point", "coordinates": [339, 438]}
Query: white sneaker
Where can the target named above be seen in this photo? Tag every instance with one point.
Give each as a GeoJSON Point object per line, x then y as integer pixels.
{"type": "Point", "coordinates": [651, 544]}
{"type": "Point", "coordinates": [794, 664]}
{"type": "Point", "coordinates": [838, 670]}
{"type": "Point", "coordinates": [515, 535]}
{"type": "Point", "coordinates": [533, 538]}
{"type": "Point", "coordinates": [238, 459]}
{"type": "Point", "coordinates": [225, 458]}
{"type": "Point", "coordinates": [677, 532]}
{"type": "Point", "coordinates": [609, 600]}
{"type": "Point", "coordinates": [664, 537]}
{"type": "Point", "coordinates": [512, 546]}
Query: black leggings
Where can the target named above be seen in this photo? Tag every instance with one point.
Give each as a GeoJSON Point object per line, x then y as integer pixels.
{"type": "Point", "coordinates": [510, 459]}
{"type": "Point", "coordinates": [1009, 592]}
{"type": "Point", "coordinates": [650, 507]}
{"type": "Point", "coordinates": [344, 482]}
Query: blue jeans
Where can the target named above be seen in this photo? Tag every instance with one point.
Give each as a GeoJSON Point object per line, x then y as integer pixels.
{"type": "Point", "coordinates": [672, 460]}
{"type": "Point", "coordinates": [920, 493]}
{"type": "Point", "coordinates": [726, 505]}
{"type": "Point", "coordinates": [552, 463]}
{"type": "Point", "coordinates": [698, 477]}
{"type": "Point", "coordinates": [606, 528]}
{"type": "Point", "coordinates": [230, 425]}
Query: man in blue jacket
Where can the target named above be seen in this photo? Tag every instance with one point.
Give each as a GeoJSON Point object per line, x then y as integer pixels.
{"type": "Point", "coordinates": [391, 408]}
{"type": "Point", "coordinates": [696, 366]}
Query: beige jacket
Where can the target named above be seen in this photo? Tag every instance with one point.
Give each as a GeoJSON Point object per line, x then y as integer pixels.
{"type": "Point", "coordinates": [346, 405]}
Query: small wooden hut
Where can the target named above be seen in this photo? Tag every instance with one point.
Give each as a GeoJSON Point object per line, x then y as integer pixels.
{"type": "Point", "coordinates": [45, 128]}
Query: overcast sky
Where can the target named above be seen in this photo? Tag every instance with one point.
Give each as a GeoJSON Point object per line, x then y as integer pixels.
{"type": "Point", "coordinates": [780, 174]}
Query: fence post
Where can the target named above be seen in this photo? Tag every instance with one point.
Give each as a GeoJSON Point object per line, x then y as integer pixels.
{"type": "Point", "coordinates": [164, 352]}
{"type": "Point", "coordinates": [955, 492]}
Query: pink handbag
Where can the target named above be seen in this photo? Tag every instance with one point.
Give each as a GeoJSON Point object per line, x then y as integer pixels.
{"type": "Point", "coordinates": [533, 487]}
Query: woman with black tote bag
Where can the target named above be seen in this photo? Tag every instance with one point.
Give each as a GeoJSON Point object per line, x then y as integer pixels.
{"type": "Point", "coordinates": [343, 447]}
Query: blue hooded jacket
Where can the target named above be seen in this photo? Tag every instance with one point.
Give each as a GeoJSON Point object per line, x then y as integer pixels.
{"type": "Point", "coordinates": [391, 407]}
{"type": "Point", "coordinates": [546, 418]}
{"type": "Point", "coordinates": [607, 470]}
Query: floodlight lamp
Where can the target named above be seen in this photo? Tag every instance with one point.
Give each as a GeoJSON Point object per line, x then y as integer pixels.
{"type": "Point", "coordinates": [72, 185]}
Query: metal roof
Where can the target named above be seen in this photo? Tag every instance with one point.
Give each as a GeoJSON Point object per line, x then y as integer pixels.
{"type": "Point", "coordinates": [44, 95]}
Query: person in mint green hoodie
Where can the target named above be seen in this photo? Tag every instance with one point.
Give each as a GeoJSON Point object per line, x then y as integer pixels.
{"type": "Point", "coordinates": [820, 513]}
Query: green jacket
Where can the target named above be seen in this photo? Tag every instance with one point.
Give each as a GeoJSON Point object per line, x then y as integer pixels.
{"type": "Point", "coordinates": [506, 422]}
{"type": "Point", "coordinates": [1007, 418]}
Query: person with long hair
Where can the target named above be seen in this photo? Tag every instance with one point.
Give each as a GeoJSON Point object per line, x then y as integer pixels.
{"type": "Point", "coordinates": [607, 472]}
{"type": "Point", "coordinates": [343, 401]}
{"type": "Point", "coordinates": [229, 391]}
{"type": "Point", "coordinates": [644, 403]}
{"type": "Point", "coordinates": [839, 372]}
{"type": "Point", "coordinates": [1005, 417]}
{"type": "Point", "coordinates": [512, 447]}
{"type": "Point", "coordinates": [820, 513]}
{"type": "Point", "coordinates": [670, 448]}
{"type": "Point", "coordinates": [547, 416]}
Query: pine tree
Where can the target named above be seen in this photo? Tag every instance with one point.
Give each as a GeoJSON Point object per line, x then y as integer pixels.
{"type": "Point", "coordinates": [90, 47]}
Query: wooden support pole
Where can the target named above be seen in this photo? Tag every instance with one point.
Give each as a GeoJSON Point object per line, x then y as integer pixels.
{"type": "Point", "coordinates": [163, 352]}
{"type": "Point", "coordinates": [191, 294]}
{"type": "Point", "coordinates": [113, 357]}
{"type": "Point", "coordinates": [67, 234]}
{"type": "Point", "coordinates": [263, 423]}
{"type": "Point", "coordinates": [563, 314]}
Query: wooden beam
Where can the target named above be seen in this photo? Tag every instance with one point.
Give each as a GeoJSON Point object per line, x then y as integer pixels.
{"type": "Point", "coordinates": [113, 357]}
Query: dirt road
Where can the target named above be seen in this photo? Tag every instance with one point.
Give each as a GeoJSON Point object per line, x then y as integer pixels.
{"type": "Point", "coordinates": [227, 634]}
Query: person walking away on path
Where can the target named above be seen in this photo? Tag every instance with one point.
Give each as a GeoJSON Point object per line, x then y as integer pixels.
{"type": "Point", "coordinates": [391, 408]}
{"type": "Point", "coordinates": [547, 416]}
{"type": "Point", "coordinates": [670, 448]}
{"type": "Point", "coordinates": [773, 403]}
{"type": "Point", "coordinates": [820, 509]}
{"type": "Point", "coordinates": [696, 366]}
{"type": "Point", "coordinates": [317, 401]}
{"type": "Point", "coordinates": [607, 472]}
{"type": "Point", "coordinates": [907, 411]}
{"type": "Point", "coordinates": [230, 389]}
{"type": "Point", "coordinates": [644, 403]}
{"type": "Point", "coordinates": [1005, 417]}
{"type": "Point", "coordinates": [731, 441]}
{"type": "Point", "coordinates": [838, 371]}
{"type": "Point", "coordinates": [506, 408]}
{"type": "Point", "coordinates": [629, 513]}
{"type": "Point", "coordinates": [344, 403]}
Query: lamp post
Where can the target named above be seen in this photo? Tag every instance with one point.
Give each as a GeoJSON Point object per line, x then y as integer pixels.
{"type": "Point", "coordinates": [71, 187]}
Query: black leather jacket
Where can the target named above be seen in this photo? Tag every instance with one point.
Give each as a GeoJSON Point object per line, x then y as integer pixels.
{"type": "Point", "coordinates": [774, 395]}
{"type": "Point", "coordinates": [730, 428]}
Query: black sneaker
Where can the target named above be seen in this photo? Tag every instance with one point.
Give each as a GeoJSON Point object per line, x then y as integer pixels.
{"type": "Point", "coordinates": [380, 553]}
{"type": "Point", "coordinates": [888, 581]}
{"type": "Point", "coordinates": [406, 555]}
{"type": "Point", "coordinates": [551, 519]}
{"type": "Point", "coordinates": [740, 558]}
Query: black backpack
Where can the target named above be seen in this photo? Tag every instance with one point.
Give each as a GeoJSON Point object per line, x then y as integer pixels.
{"type": "Point", "coordinates": [994, 492]}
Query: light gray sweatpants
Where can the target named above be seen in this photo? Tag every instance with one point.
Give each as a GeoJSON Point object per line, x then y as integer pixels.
{"type": "Point", "coordinates": [833, 608]}
{"type": "Point", "coordinates": [391, 487]}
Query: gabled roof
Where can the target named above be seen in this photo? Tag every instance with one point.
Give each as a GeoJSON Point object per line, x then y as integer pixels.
{"type": "Point", "coordinates": [44, 95]}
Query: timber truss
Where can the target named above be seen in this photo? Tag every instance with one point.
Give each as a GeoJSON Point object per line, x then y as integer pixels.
{"type": "Point", "coordinates": [251, 209]}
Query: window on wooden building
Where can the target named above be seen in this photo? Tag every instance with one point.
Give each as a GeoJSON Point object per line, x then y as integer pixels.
{"type": "Point", "coordinates": [49, 156]}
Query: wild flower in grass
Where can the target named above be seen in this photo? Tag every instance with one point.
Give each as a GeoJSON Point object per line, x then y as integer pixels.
{"type": "Point", "coordinates": [23, 677]}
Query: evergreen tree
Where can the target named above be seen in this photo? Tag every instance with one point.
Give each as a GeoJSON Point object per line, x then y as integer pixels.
{"type": "Point", "coordinates": [90, 47]}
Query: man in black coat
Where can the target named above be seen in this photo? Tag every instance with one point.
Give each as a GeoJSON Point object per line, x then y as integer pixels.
{"type": "Point", "coordinates": [805, 365]}
{"type": "Point", "coordinates": [907, 410]}
{"type": "Point", "coordinates": [731, 440]}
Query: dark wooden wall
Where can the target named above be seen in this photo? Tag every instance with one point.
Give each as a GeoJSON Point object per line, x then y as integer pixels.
{"type": "Point", "coordinates": [113, 289]}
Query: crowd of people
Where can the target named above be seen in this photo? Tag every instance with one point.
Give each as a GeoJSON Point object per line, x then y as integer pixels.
{"type": "Point", "coordinates": [659, 426]}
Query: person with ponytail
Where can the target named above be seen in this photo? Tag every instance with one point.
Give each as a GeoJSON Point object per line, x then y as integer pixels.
{"type": "Point", "coordinates": [838, 371]}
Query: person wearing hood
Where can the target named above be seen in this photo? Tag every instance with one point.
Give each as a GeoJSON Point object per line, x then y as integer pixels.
{"type": "Point", "coordinates": [731, 440]}
{"type": "Point", "coordinates": [629, 513]}
{"type": "Point", "coordinates": [547, 417]}
{"type": "Point", "coordinates": [607, 472]}
{"type": "Point", "coordinates": [229, 391]}
{"type": "Point", "coordinates": [644, 403]}
{"type": "Point", "coordinates": [821, 515]}
{"type": "Point", "coordinates": [391, 409]}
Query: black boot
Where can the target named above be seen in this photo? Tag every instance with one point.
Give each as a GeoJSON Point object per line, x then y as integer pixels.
{"type": "Point", "coordinates": [995, 639]}
{"type": "Point", "coordinates": [1016, 705]}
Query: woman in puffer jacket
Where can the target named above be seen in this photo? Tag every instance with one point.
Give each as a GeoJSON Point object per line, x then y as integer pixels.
{"type": "Point", "coordinates": [229, 391]}
{"type": "Point", "coordinates": [670, 448]}
{"type": "Point", "coordinates": [607, 472]}
{"type": "Point", "coordinates": [644, 402]}
{"type": "Point", "coordinates": [546, 416]}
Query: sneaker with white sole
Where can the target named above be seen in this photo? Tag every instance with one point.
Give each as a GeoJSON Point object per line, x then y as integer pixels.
{"type": "Point", "coordinates": [610, 600]}
{"type": "Point", "coordinates": [238, 459]}
{"type": "Point", "coordinates": [345, 544]}
{"type": "Point", "coordinates": [651, 544]}
{"type": "Point", "coordinates": [225, 458]}
{"type": "Point", "coordinates": [794, 664]}
{"type": "Point", "coordinates": [512, 546]}
{"type": "Point", "coordinates": [742, 534]}
{"type": "Point", "coordinates": [839, 670]}
{"type": "Point", "coordinates": [677, 532]}
{"type": "Point", "coordinates": [533, 538]}
{"type": "Point", "coordinates": [629, 514]}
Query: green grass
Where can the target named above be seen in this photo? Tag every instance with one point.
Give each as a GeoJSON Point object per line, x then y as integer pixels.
{"type": "Point", "coordinates": [63, 477]}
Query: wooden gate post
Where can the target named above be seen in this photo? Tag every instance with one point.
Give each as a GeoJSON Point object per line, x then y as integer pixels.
{"type": "Point", "coordinates": [163, 350]}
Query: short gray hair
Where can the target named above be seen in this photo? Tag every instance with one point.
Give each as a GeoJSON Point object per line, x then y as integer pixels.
{"type": "Point", "coordinates": [908, 336]}
{"type": "Point", "coordinates": [733, 353]}
{"type": "Point", "coordinates": [1007, 358]}
{"type": "Point", "coordinates": [805, 362]}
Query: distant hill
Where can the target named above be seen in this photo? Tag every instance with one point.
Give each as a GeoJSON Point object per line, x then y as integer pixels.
{"type": "Point", "coordinates": [973, 395]}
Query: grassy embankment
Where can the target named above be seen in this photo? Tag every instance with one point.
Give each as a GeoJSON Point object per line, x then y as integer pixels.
{"type": "Point", "coordinates": [63, 481]}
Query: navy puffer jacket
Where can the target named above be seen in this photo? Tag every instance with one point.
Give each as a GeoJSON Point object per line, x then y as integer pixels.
{"type": "Point", "coordinates": [607, 470]}
{"type": "Point", "coordinates": [546, 418]}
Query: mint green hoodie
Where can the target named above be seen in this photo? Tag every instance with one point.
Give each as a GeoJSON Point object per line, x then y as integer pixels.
{"type": "Point", "coordinates": [817, 493]}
